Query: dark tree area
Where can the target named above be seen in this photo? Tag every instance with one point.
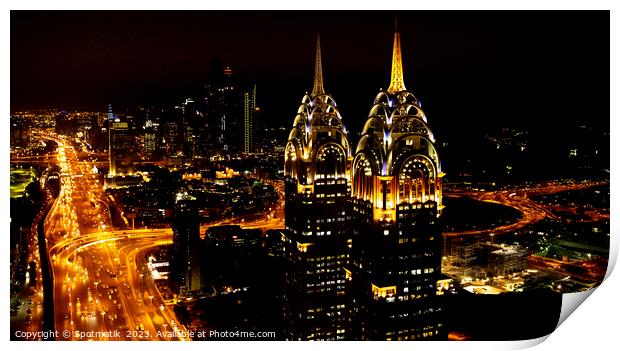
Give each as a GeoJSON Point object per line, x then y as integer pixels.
{"type": "Point", "coordinates": [23, 211]}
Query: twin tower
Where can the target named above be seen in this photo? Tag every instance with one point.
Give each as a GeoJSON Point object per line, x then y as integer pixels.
{"type": "Point", "coordinates": [362, 242]}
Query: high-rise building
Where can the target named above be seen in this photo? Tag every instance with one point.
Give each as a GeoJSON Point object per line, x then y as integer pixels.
{"type": "Point", "coordinates": [188, 116]}
{"type": "Point", "coordinates": [172, 135]}
{"type": "Point", "coordinates": [185, 269]}
{"type": "Point", "coordinates": [318, 219]}
{"type": "Point", "coordinates": [249, 125]}
{"type": "Point", "coordinates": [121, 144]}
{"type": "Point", "coordinates": [150, 137]}
{"type": "Point", "coordinates": [223, 109]}
{"type": "Point", "coordinates": [259, 129]}
{"type": "Point", "coordinates": [397, 197]}
{"type": "Point", "coordinates": [200, 135]}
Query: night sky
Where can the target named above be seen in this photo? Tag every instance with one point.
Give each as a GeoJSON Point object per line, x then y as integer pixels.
{"type": "Point", "coordinates": [469, 68]}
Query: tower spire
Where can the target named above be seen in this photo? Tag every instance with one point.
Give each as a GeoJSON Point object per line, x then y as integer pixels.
{"type": "Point", "coordinates": [397, 82]}
{"type": "Point", "coordinates": [318, 69]}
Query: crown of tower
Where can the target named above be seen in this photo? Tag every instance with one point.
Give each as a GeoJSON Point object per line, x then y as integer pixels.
{"type": "Point", "coordinates": [397, 82]}
{"type": "Point", "coordinates": [318, 70]}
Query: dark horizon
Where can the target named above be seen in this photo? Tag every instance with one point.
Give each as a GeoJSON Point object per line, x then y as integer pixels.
{"type": "Point", "coordinates": [469, 68]}
{"type": "Point", "coordinates": [464, 212]}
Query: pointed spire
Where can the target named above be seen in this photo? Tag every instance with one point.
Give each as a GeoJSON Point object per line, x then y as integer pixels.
{"type": "Point", "coordinates": [397, 82]}
{"type": "Point", "coordinates": [318, 69]}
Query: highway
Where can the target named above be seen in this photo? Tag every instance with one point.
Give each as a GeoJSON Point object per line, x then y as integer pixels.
{"type": "Point", "coordinates": [107, 284]}
{"type": "Point", "coordinates": [105, 287]}
{"type": "Point", "coordinates": [519, 199]}
{"type": "Point", "coordinates": [102, 288]}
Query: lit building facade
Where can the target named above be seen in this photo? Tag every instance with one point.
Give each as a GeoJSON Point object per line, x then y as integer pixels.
{"type": "Point", "coordinates": [121, 144]}
{"type": "Point", "coordinates": [318, 219]}
{"type": "Point", "coordinates": [249, 123]}
{"type": "Point", "coordinates": [397, 199]}
{"type": "Point", "coordinates": [150, 140]}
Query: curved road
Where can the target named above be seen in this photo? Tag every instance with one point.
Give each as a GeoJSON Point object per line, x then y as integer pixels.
{"type": "Point", "coordinates": [519, 199]}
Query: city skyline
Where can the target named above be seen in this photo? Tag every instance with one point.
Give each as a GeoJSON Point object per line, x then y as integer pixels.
{"type": "Point", "coordinates": [461, 213]}
{"type": "Point", "coordinates": [90, 59]}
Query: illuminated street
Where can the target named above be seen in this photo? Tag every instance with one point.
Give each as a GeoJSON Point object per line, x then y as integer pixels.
{"type": "Point", "coordinates": [102, 288]}
{"type": "Point", "coordinates": [520, 199]}
{"type": "Point", "coordinates": [99, 276]}
{"type": "Point", "coordinates": [192, 176]}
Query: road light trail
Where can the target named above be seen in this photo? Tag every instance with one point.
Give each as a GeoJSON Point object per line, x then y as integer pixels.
{"type": "Point", "coordinates": [521, 200]}
{"type": "Point", "coordinates": [95, 285]}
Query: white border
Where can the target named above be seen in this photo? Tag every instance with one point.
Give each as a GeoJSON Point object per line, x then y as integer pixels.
{"type": "Point", "coordinates": [594, 324]}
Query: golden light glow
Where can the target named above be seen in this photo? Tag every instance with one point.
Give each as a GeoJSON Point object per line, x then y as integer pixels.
{"type": "Point", "coordinates": [227, 173]}
{"type": "Point", "coordinates": [303, 247]}
{"type": "Point", "coordinates": [383, 292]}
{"type": "Point", "coordinates": [347, 273]}
{"type": "Point", "coordinates": [305, 188]}
{"type": "Point", "coordinates": [397, 82]}
{"type": "Point", "coordinates": [318, 70]}
{"type": "Point", "coordinates": [380, 215]}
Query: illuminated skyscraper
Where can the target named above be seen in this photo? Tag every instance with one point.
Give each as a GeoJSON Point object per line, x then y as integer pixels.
{"type": "Point", "coordinates": [121, 144]}
{"type": "Point", "coordinates": [150, 144]}
{"type": "Point", "coordinates": [396, 258]}
{"type": "Point", "coordinates": [318, 219]}
{"type": "Point", "coordinates": [249, 120]}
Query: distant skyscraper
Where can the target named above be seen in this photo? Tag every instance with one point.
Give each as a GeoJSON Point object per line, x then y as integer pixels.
{"type": "Point", "coordinates": [318, 219]}
{"type": "Point", "coordinates": [259, 129]}
{"type": "Point", "coordinates": [396, 258]}
{"type": "Point", "coordinates": [150, 133]}
{"type": "Point", "coordinates": [172, 130]}
{"type": "Point", "coordinates": [121, 144]}
{"type": "Point", "coordinates": [185, 268]}
{"type": "Point", "coordinates": [249, 125]}
{"type": "Point", "coordinates": [110, 120]}
{"type": "Point", "coordinates": [223, 108]}
{"type": "Point", "coordinates": [188, 117]}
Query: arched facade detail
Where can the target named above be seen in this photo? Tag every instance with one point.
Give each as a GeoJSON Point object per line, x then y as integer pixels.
{"type": "Point", "coordinates": [406, 97]}
{"type": "Point", "coordinates": [373, 124]}
{"type": "Point", "coordinates": [291, 154]}
{"type": "Point", "coordinates": [364, 168]}
{"type": "Point", "coordinates": [399, 144]}
{"type": "Point", "coordinates": [410, 110]}
{"type": "Point", "coordinates": [416, 176]}
{"type": "Point", "coordinates": [330, 162]}
{"type": "Point", "coordinates": [404, 124]}
{"type": "Point", "coordinates": [379, 110]}
{"type": "Point", "coordinates": [411, 143]}
{"type": "Point", "coordinates": [318, 146]}
{"type": "Point", "coordinates": [382, 98]}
